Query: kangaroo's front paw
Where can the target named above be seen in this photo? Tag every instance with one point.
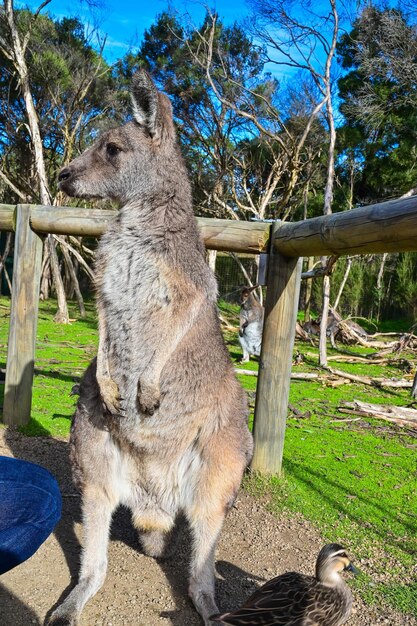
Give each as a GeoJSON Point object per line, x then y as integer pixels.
{"type": "Point", "coordinates": [149, 397]}
{"type": "Point", "coordinates": [109, 392]}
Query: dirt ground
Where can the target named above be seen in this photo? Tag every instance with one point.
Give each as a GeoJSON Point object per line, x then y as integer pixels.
{"type": "Point", "coordinates": [139, 591]}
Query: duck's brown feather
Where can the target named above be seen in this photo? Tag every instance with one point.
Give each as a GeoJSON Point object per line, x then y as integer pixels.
{"type": "Point", "coordinates": [292, 600]}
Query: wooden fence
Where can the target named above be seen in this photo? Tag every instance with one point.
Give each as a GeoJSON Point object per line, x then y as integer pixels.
{"type": "Point", "coordinates": [385, 227]}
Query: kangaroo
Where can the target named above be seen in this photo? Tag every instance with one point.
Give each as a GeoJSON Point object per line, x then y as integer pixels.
{"type": "Point", "coordinates": [161, 421]}
{"type": "Point", "coordinates": [251, 320]}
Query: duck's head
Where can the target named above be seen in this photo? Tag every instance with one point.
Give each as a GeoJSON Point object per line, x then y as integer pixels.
{"type": "Point", "coordinates": [332, 560]}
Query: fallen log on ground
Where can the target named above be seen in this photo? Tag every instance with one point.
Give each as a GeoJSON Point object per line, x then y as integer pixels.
{"type": "Point", "coordinates": [347, 358]}
{"type": "Point", "coordinates": [367, 380]}
{"type": "Point", "coordinates": [294, 375]}
{"type": "Point", "coordinates": [300, 333]}
{"type": "Point", "coordinates": [403, 416]}
{"type": "Point", "coordinates": [344, 377]}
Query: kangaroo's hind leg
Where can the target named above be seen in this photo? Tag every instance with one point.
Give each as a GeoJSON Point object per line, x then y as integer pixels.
{"type": "Point", "coordinates": [246, 356]}
{"type": "Point", "coordinates": [206, 530]}
{"type": "Point", "coordinates": [97, 514]}
{"type": "Point", "coordinates": [215, 495]}
{"type": "Point", "coordinates": [96, 466]}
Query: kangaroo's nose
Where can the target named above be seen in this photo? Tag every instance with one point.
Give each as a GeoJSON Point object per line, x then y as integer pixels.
{"type": "Point", "coordinates": [64, 174]}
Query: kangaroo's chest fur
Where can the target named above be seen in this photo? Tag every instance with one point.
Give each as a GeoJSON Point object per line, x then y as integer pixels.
{"type": "Point", "coordinates": [155, 289]}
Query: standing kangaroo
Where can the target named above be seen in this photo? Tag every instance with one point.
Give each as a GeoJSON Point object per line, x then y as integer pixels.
{"type": "Point", "coordinates": [251, 320]}
{"type": "Point", "coordinates": [161, 422]}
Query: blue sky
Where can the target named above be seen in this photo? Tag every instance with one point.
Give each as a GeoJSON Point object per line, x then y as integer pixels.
{"type": "Point", "coordinates": [124, 21]}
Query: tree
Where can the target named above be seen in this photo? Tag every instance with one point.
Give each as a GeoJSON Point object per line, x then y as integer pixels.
{"type": "Point", "coordinates": [16, 54]}
{"type": "Point", "coordinates": [210, 131]}
{"type": "Point", "coordinates": [379, 102]}
{"type": "Point", "coordinates": [53, 92]}
{"type": "Point", "coordinates": [377, 143]}
{"type": "Point", "coordinates": [307, 45]}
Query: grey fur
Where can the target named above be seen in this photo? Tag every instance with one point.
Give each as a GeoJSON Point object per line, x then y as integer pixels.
{"type": "Point", "coordinates": [251, 320]}
{"type": "Point", "coordinates": [161, 422]}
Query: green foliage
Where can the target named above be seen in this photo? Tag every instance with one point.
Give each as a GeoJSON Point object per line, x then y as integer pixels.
{"type": "Point", "coordinates": [405, 286]}
{"type": "Point", "coordinates": [214, 137]}
{"type": "Point", "coordinates": [395, 298]}
{"type": "Point", "coordinates": [72, 88]}
{"type": "Point", "coordinates": [378, 100]}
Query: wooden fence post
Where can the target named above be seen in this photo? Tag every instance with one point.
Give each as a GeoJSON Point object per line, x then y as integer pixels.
{"type": "Point", "coordinates": [281, 306]}
{"type": "Point", "coordinates": [23, 320]}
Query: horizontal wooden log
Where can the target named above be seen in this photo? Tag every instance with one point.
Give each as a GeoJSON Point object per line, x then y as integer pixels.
{"type": "Point", "coordinates": [231, 235]}
{"type": "Point", "coordinates": [234, 235]}
{"type": "Point", "coordinates": [294, 375]}
{"type": "Point", "coordinates": [385, 227]}
{"type": "Point", "coordinates": [70, 220]}
{"type": "Point", "coordinates": [403, 416]}
{"type": "Point", "coordinates": [7, 217]}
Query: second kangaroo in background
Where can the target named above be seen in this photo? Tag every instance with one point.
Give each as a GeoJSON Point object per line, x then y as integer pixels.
{"type": "Point", "coordinates": [251, 321]}
{"type": "Point", "coordinates": [161, 422]}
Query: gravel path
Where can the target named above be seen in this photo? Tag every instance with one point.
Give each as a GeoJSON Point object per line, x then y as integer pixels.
{"type": "Point", "coordinates": [255, 546]}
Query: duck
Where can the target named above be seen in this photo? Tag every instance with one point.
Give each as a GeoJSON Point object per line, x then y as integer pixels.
{"type": "Point", "coordinates": [294, 599]}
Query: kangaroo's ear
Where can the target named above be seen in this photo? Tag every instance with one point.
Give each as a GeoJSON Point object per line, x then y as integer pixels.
{"type": "Point", "coordinates": [145, 102]}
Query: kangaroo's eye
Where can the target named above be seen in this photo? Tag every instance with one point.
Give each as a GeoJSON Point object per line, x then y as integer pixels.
{"type": "Point", "coordinates": [112, 150]}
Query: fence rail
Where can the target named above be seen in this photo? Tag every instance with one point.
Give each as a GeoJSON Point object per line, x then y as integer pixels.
{"type": "Point", "coordinates": [222, 235]}
{"type": "Point", "coordinates": [384, 227]}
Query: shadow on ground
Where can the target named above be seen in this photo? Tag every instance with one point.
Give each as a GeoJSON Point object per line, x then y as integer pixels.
{"type": "Point", "coordinates": [14, 611]}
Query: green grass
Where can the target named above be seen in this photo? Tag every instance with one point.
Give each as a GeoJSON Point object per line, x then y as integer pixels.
{"type": "Point", "coordinates": [62, 354]}
{"type": "Point", "coordinates": [355, 481]}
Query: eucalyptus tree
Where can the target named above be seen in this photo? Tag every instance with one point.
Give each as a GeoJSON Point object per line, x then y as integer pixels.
{"type": "Point", "coordinates": [378, 99]}
{"type": "Point", "coordinates": [210, 131]}
{"type": "Point", "coordinates": [303, 37]}
{"type": "Point", "coordinates": [53, 92]}
{"type": "Point", "coordinates": [378, 141]}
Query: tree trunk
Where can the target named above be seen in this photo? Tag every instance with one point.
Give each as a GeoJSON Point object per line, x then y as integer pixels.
{"type": "Point", "coordinates": [414, 387]}
{"type": "Point", "coordinates": [46, 277]}
{"type": "Point", "coordinates": [327, 209]}
{"type": "Point", "coordinates": [343, 283]}
{"type": "Point", "coordinates": [259, 290]}
{"type": "Point", "coordinates": [74, 281]}
{"type": "Point", "coordinates": [61, 315]}
{"type": "Point", "coordinates": [18, 57]}
{"type": "Point", "coordinates": [323, 323]}
{"type": "Point", "coordinates": [308, 284]}
{"type": "Point", "coordinates": [5, 254]}
{"type": "Point", "coordinates": [308, 291]}
{"type": "Point", "coordinates": [379, 284]}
